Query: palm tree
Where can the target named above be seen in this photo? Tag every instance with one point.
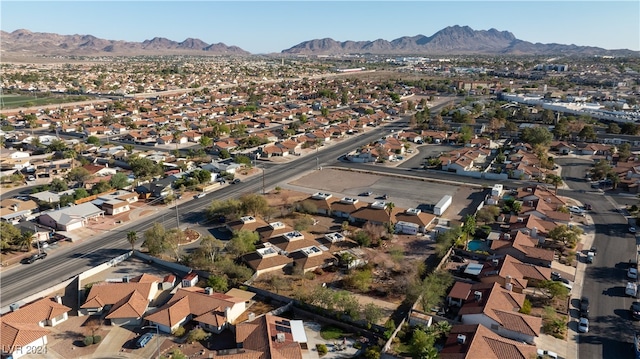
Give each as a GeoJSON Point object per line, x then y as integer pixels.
{"type": "Point", "coordinates": [132, 237]}
{"type": "Point", "coordinates": [555, 180]}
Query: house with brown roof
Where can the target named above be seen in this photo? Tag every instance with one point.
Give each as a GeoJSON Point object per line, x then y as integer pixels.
{"type": "Point", "coordinates": [24, 328]}
{"type": "Point", "coordinates": [247, 223]}
{"type": "Point", "coordinates": [310, 258]}
{"type": "Point", "coordinates": [345, 206]}
{"type": "Point", "coordinates": [12, 209]}
{"type": "Point", "coordinates": [377, 213]}
{"type": "Point", "coordinates": [268, 337]}
{"type": "Point", "coordinates": [476, 341]}
{"type": "Point", "coordinates": [497, 309]}
{"type": "Point", "coordinates": [266, 259]}
{"type": "Point", "coordinates": [524, 248]}
{"type": "Point", "coordinates": [213, 311]}
{"type": "Point", "coordinates": [125, 303]}
{"type": "Point", "coordinates": [323, 202]}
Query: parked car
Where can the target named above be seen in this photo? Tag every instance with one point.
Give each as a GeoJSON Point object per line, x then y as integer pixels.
{"type": "Point", "coordinates": [590, 256]}
{"type": "Point", "coordinates": [236, 181]}
{"type": "Point", "coordinates": [576, 210]}
{"type": "Point", "coordinates": [546, 354]}
{"type": "Point", "coordinates": [200, 195]}
{"type": "Point", "coordinates": [594, 250]}
{"type": "Point", "coordinates": [632, 273]}
{"type": "Point", "coordinates": [35, 257]}
{"type": "Point", "coordinates": [632, 229]}
{"type": "Point", "coordinates": [584, 307]}
{"type": "Point", "coordinates": [566, 283]}
{"type": "Point", "coordinates": [366, 194]}
{"type": "Point", "coordinates": [143, 340]}
{"type": "Point", "coordinates": [556, 276]}
{"type": "Point", "coordinates": [635, 310]}
{"type": "Point", "coordinates": [583, 325]}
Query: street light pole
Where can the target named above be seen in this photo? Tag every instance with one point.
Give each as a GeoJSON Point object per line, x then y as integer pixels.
{"type": "Point", "coordinates": [177, 216]}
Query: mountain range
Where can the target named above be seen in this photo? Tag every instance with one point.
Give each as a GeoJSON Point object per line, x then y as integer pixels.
{"type": "Point", "coordinates": [452, 40]}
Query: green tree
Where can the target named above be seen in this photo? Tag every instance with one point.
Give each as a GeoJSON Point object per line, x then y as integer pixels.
{"type": "Point", "coordinates": [206, 142]}
{"type": "Point", "coordinates": [218, 283]}
{"type": "Point", "coordinates": [155, 239]}
{"type": "Point", "coordinates": [210, 247]}
{"type": "Point", "coordinates": [468, 228]}
{"type": "Point", "coordinates": [362, 238]}
{"type": "Point", "coordinates": [372, 313]}
{"type": "Point", "coordinates": [422, 345]}
{"type": "Point", "coordinates": [79, 175]}
{"type": "Point", "coordinates": [143, 167]}
{"type": "Point", "coordinates": [93, 140]}
{"type": "Point", "coordinates": [588, 133]}
{"type": "Point", "coordinates": [488, 214]}
{"type": "Point", "coordinates": [554, 289]}
{"type": "Point", "coordinates": [624, 152]}
{"type": "Point", "coordinates": [119, 181]}
{"type": "Point", "coordinates": [196, 335]}
{"type": "Point", "coordinates": [254, 204]}
{"type": "Point", "coordinates": [302, 223]}
{"type": "Point", "coordinates": [434, 288]}
{"type": "Point", "coordinates": [132, 237]}
{"type": "Point", "coordinates": [58, 185]}
{"type": "Point", "coordinates": [566, 235]}
{"type": "Point", "coordinates": [359, 280]}
{"type": "Point", "coordinates": [101, 187]}
{"type": "Point", "coordinates": [24, 240]}
{"type": "Point", "coordinates": [242, 242]}
{"type": "Point", "coordinates": [537, 135]}
{"type": "Point", "coordinates": [555, 180]}
{"type": "Point", "coordinates": [57, 145]}
{"type": "Point", "coordinates": [229, 208]}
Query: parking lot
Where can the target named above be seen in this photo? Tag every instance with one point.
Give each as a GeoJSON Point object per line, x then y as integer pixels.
{"type": "Point", "coordinates": [403, 192]}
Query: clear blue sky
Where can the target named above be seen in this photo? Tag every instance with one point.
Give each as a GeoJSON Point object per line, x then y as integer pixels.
{"type": "Point", "coordinates": [272, 26]}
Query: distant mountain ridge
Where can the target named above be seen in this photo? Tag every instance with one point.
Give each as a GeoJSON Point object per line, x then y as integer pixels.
{"type": "Point", "coordinates": [452, 40]}
{"type": "Point", "coordinates": [41, 43]}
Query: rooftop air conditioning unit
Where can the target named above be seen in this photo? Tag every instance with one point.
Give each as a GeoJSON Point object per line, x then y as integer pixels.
{"type": "Point", "coordinates": [461, 338]}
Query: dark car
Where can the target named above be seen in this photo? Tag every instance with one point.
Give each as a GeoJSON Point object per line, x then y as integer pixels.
{"type": "Point", "coordinates": [594, 249]}
{"type": "Point", "coordinates": [635, 310]}
{"type": "Point", "coordinates": [556, 276]}
{"type": "Point", "coordinates": [34, 258]}
{"type": "Point", "coordinates": [235, 181]}
{"type": "Point", "coordinates": [584, 307]}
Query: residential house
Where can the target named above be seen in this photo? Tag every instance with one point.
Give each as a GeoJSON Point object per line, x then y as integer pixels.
{"type": "Point", "coordinates": [13, 210]}
{"type": "Point", "coordinates": [524, 248]}
{"type": "Point", "coordinates": [266, 259]}
{"type": "Point", "coordinates": [268, 336]}
{"type": "Point", "coordinates": [213, 311]}
{"type": "Point", "coordinates": [497, 308]}
{"type": "Point", "coordinates": [71, 218]}
{"type": "Point", "coordinates": [24, 328]}
{"type": "Point", "coordinates": [476, 341]}
{"type": "Point", "coordinates": [322, 202]}
{"type": "Point", "coordinates": [122, 303]}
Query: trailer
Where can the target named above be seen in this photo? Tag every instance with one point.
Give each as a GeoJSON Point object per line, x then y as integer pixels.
{"type": "Point", "coordinates": [442, 205]}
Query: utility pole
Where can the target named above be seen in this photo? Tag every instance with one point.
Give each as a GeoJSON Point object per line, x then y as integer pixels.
{"type": "Point", "coordinates": [37, 239]}
{"type": "Point", "coordinates": [263, 191]}
{"type": "Point", "coordinates": [177, 215]}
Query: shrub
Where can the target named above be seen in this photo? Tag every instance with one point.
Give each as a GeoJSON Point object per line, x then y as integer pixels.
{"type": "Point", "coordinates": [88, 340]}
{"type": "Point", "coordinates": [179, 331]}
{"type": "Point", "coordinates": [357, 345]}
{"type": "Point", "coordinates": [322, 349]}
{"type": "Point", "coordinates": [96, 339]}
{"type": "Point", "coordinates": [526, 307]}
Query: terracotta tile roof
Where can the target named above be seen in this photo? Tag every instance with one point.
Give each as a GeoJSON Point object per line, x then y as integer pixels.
{"type": "Point", "coordinates": [38, 311]}
{"type": "Point", "coordinates": [196, 303]}
{"type": "Point", "coordinates": [107, 293]}
{"type": "Point", "coordinates": [132, 306]}
{"type": "Point", "coordinates": [22, 326]}
{"type": "Point", "coordinates": [15, 335]}
{"type": "Point", "coordinates": [482, 343]}
{"type": "Point", "coordinates": [260, 335]}
{"type": "Point", "coordinates": [256, 262]}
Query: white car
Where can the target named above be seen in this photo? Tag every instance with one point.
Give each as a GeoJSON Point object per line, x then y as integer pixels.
{"type": "Point", "coordinates": [546, 354]}
{"type": "Point", "coordinates": [583, 325]}
{"type": "Point", "coordinates": [632, 273]}
{"type": "Point", "coordinates": [576, 210]}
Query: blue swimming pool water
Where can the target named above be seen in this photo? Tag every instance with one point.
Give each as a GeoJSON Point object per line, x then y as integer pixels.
{"type": "Point", "coordinates": [477, 245]}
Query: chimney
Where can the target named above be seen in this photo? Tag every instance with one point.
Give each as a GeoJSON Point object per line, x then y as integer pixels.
{"type": "Point", "coordinates": [208, 290]}
{"type": "Point", "coordinates": [14, 306]}
{"type": "Point", "coordinates": [252, 316]}
{"type": "Point", "coordinates": [58, 299]}
{"type": "Point", "coordinates": [495, 262]}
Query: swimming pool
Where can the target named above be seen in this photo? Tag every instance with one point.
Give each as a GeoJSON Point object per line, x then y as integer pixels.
{"type": "Point", "coordinates": [477, 245]}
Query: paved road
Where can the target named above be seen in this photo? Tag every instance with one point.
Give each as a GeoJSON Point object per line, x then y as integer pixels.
{"type": "Point", "coordinates": [610, 334]}
{"type": "Point", "coordinates": [25, 280]}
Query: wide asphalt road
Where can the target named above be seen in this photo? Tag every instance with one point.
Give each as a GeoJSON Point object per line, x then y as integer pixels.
{"type": "Point", "coordinates": [610, 332]}
{"type": "Point", "coordinates": [24, 280]}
